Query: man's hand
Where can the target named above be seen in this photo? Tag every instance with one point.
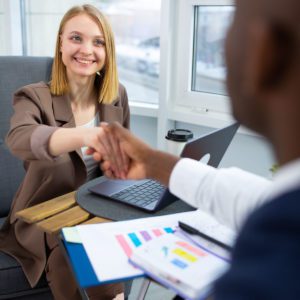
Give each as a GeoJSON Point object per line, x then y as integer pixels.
{"type": "Point", "coordinates": [133, 152]}
{"type": "Point", "coordinates": [104, 147]}
{"type": "Point", "coordinates": [136, 159]}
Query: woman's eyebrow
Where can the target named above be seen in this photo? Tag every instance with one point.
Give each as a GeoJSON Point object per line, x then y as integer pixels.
{"type": "Point", "coordinates": [76, 32]}
{"type": "Point", "coordinates": [80, 33]}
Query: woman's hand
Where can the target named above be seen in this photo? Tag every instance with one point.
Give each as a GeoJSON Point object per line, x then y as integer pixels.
{"type": "Point", "coordinates": [142, 160]}
{"type": "Point", "coordinates": [105, 147]}
{"type": "Point", "coordinates": [65, 140]}
{"type": "Point", "coordinates": [123, 144]}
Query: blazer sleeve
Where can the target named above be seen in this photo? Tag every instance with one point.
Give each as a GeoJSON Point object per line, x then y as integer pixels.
{"type": "Point", "coordinates": [28, 136]}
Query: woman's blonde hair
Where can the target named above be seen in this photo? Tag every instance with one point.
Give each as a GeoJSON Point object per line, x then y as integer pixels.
{"type": "Point", "coordinates": [107, 83]}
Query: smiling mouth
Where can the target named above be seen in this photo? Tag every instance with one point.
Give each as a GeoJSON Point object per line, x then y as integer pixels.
{"type": "Point", "coordinates": [84, 61]}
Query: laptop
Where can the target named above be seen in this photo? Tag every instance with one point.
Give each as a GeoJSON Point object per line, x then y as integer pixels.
{"type": "Point", "coordinates": [149, 195]}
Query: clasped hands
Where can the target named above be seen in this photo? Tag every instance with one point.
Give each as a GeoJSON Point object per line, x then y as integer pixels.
{"type": "Point", "coordinates": [121, 154]}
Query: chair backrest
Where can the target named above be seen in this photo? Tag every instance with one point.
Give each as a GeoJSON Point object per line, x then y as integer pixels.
{"type": "Point", "coordinates": [15, 72]}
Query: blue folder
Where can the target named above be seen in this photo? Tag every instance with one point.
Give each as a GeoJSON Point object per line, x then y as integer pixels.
{"type": "Point", "coordinates": [82, 267]}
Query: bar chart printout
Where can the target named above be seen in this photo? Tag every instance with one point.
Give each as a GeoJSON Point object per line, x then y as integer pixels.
{"type": "Point", "coordinates": [136, 239]}
{"type": "Point", "coordinates": [109, 245]}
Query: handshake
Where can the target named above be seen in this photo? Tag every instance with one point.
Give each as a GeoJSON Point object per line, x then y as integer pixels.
{"type": "Point", "coordinates": [124, 156]}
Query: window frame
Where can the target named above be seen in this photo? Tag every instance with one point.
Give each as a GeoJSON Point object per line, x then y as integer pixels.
{"type": "Point", "coordinates": [184, 97]}
{"type": "Point", "coordinates": [176, 100]}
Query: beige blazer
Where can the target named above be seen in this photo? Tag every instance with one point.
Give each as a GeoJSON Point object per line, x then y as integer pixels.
{"type": "Point", "coordinates": [37, 114]}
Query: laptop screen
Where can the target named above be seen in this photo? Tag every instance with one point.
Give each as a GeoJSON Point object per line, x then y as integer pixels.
{"type": "Point", "coordinates": [213, 145]}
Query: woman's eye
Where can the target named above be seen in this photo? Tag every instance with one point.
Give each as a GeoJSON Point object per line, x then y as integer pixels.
{"type": "Point", "coordinates": [76, 38]}
{"type": "Point", "coordinates": [99, 43]}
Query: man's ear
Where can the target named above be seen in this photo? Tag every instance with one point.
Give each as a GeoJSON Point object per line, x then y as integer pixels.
{"type": "Point", "coordinates": [270, 52]}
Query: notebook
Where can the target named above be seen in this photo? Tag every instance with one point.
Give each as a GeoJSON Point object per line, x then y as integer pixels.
{"type": "Point", "coordinates": [180, 265]}
{"type": "Point", "coordinates": [149, 195]}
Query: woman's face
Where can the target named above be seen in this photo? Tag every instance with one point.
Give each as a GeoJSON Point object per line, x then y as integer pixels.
{"type": "Point", "coordinates": [82, 47]}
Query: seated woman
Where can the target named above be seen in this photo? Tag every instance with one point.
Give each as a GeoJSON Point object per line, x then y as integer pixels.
{"type": "Point", "coordinates": [52, 125]}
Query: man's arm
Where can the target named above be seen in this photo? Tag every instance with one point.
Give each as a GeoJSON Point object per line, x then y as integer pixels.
{"type": "Point", "coordinates": [228, 194]}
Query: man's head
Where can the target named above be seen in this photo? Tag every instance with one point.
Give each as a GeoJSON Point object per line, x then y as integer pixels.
{"type": "Point", "coordinates": [263, 60]}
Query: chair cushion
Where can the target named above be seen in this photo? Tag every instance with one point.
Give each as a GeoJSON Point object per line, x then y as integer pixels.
{"type": "Point", "coordinates": [11, 175]}
{"type": "Point", "coordinates": [13, 282]}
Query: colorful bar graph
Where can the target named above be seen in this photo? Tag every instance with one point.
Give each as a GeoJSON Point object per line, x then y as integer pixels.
{"type": "Point", "coordinates": [134, 238]}
{"type": "Point", "coordinates": [147, 237]}
{"type": "Point", "coordinates": [169, 230]}
{"type": "Point", "coordinates": [190, 248]}
{"type": "Point", "coordinates": [123, 243]}
{"type": "Point", "coordinates": [179, 263]}
{"type": "Point", "coordinates": [157, 232]}
{"type": "Point", "coordinates": [183, 254]}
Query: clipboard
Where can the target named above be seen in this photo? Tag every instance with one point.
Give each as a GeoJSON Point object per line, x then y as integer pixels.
{"type": "Point", "coordinates": [81, 266]}
{"type": "Point", "coordinates": [80, 263]}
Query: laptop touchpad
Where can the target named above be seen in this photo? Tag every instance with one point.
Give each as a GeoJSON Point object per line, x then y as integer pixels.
{"type": "Point", "coordinates": [110, 187]}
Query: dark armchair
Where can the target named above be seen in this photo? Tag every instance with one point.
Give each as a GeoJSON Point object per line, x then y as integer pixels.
{"type": "Point", "coordinates": [15, 72]}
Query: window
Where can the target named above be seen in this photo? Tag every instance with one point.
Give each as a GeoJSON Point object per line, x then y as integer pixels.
{"type": "Point", "coordinates": [10, 29]}
{"type": "Point", "coordinates": [200, 74]}
{"type": "Point", "coordinates": [3, 50]}
{"type": "Point", "coordinates": [136, 25]}
{"type": "Point", "coordinates": [208, 67]}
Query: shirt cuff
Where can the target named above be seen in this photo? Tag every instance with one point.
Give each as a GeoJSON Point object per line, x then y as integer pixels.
{"type": "Point", "coordinates": [40, 142]}
{"type": "Point", "coordinates": [187, 177]}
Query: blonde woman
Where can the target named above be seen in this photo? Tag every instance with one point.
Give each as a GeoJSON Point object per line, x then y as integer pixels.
{"type": "Point", "coordinates": [52, 126]}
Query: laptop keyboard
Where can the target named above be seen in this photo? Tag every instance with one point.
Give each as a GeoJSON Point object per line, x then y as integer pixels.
{"type": "Point", "coordinates": [141, 194]}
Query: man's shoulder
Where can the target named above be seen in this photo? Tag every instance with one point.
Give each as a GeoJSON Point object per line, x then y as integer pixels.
{"type": "Point", "coordinates": [274, 218]}
{"type": "Point", "coordinates": [265, 260]}
{"type": "Point", "coordinates": [285, 205]}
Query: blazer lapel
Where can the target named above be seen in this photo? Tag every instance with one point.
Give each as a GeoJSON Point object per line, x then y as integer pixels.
{"type": "Point", "coordinates": [110, 113]}
{"type": "Point", "coordinates": [63, 112]}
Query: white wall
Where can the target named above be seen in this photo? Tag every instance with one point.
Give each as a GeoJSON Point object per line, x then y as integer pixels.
{"type": "Point", "coordinates": [145, 128]}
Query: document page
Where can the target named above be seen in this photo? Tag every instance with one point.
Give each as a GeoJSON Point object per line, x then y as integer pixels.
{"type": "Point", "coordinates": [109, 245]}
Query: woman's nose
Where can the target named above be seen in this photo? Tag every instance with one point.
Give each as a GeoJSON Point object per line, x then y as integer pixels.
{"type": "Point", "coordinates": [86, 48]}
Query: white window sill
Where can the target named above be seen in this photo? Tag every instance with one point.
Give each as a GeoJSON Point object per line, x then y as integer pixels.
{"type": "Point", "coordinates": [190, 115]}
{"type": "Point", "coordinates": [143, 109]}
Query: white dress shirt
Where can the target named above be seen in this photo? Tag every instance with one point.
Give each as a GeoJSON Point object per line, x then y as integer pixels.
{"type": "Point", "coordinates": [229, 194]}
